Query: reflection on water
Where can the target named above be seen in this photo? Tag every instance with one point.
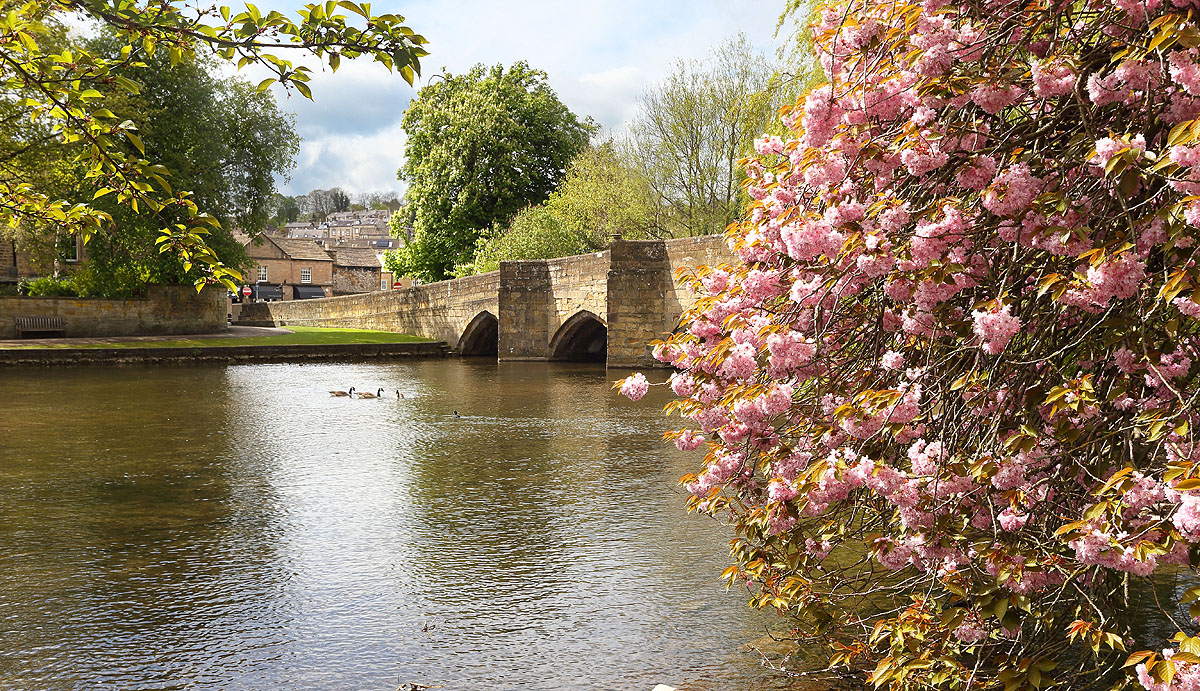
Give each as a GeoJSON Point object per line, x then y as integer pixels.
{"type": "Point", "coordinates": [236, 527]}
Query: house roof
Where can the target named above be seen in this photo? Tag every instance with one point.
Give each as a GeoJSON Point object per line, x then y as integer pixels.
{"type": "Point", "coordinates": [302, 248]}
{"type": "Point", "coordinates": [356, 257]}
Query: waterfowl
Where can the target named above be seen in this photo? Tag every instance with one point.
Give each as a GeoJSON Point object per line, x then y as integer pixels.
{"type": "Point", "coordinates": [367, 394]}
{"type": "Point", "coordinates": [399, 395]}
{"type": "Point", "coordinates": [342, 393]}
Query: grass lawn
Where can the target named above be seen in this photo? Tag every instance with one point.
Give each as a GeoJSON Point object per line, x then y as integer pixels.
{"type": "Point", "coordinates": [304, 335]}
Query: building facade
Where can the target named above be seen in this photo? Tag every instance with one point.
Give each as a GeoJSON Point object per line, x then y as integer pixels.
{"type": "Point", "coordinates": [289, 269]}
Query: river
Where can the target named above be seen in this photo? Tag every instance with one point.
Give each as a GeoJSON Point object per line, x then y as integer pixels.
{"type": "Point", "coordinates": [239, 528]}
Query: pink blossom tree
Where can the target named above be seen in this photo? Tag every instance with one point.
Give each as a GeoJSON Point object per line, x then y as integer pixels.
{"type": "Point", "coordinates": [948, 398]}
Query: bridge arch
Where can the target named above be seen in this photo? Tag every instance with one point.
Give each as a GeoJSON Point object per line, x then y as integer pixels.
{"type": "Point", "coordinates": [481, 337]}
{"type": "Point", "coordinates": [583, 337]}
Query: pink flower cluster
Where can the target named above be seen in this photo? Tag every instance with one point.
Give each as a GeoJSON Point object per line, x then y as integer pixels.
{"type": "Point", "coordinates": [996, 328]}
{"type": "Point", "coordinates": [635, 386]}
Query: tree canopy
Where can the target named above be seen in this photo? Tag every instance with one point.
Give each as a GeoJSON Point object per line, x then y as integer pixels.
{"type": "Point", "coordinates": [599, 198]}
{"type": "Point", "coordinates": [481, 146]}
{"type": "Point", "coordinates": [221, 139]}
{"type": "Point", "coordinates": [693, 127]}
{"type": "Point", "coordinates": [60, 92]}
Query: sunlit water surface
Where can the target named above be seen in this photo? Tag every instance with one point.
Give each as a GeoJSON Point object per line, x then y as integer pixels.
{"type": "Point", "coordinates": [238, 528]}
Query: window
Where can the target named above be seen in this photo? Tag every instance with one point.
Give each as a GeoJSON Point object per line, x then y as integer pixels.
{"type": "Point", "coordinates": [383, 284]}
{"type": "Point", "coordinates": [306, 275]}
{"type": "Point", "coordinates": [68, 248]}
{"type": "Point", "coordinates": [262, 274]}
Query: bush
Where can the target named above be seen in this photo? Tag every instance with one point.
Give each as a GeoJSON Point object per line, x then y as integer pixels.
{"type": "Point", "coordinates": [534, 233]}
{"type": "Point", "coordinates": [947, 396]}
{"type": "Point", "coordinates": [48, 286]}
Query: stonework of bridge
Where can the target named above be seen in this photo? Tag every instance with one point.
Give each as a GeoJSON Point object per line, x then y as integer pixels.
{"type": "Point", "coordinates": [600, 307]}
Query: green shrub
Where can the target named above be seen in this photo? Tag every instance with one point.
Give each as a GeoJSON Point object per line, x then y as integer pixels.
{"type": "Point", "coordinates": [48, 286]}
{"type": "Point", "coordinates": [534, 233]}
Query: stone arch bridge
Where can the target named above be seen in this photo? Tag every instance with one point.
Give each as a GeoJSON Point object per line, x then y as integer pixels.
{"type": "Point", "coordinates": [601, 307]}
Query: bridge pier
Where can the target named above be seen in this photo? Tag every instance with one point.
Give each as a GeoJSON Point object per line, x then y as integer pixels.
{"type": "Point", "coordinates": [639, 289]}
{"type": "Point", "coordinates": [526, 306]}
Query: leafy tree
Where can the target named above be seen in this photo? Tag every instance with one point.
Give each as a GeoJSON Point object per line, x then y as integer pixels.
{"type": "Point", "coordinates": [948, 391]}
{"type": "Point", "coordinates": [534, 233]}
{"type": "Point", "coordinates": [381, 201]}
{"type": "Point", "coordinates": [60, 91]}
{"type": "Point", "coordinates": [691, 130]}
{"type": "Point", "coordinates": [601, 196]}
{"type": "Point", "coordinates": [221, 138]}
{"type": "Point", "coordinates": [285, 209]}
{"type": "Point", "coordinates": [318, 204]}
{"type": "Point", "coordinates": [481, 146]}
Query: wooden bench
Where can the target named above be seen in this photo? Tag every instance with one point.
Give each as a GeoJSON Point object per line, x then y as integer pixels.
{"type": "Point", "coordinates": [31, 327]}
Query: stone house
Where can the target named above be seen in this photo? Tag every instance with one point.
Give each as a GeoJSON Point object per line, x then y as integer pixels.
{"type": "Point", "coordinates": [352, 226]}
{"type": "Point", "coordinates": [356, 270]}
{"type": "Point", "coordinates": [289, 269]}
{"type": "Point", "coordinates": [17, 262]}
{"type": "Point", "coordinates": [304, 229]}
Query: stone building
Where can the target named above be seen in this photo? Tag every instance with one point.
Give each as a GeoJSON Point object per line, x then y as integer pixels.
{"type": "Point", "coordinates": [305, 229]}
{"type": "Point", "coordinates": [289, 269]}
{"type": "Point", "coordinates": [17, 261]}
{"type": "Point", "coordinates": [8, 261]}
{"type": "Point", "coordinates": [357, 271]}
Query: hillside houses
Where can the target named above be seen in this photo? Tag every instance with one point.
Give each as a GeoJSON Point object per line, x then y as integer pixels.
{"type": "Point", "coordinates": [363, 229]}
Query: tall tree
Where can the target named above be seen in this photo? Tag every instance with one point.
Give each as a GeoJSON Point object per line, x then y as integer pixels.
{"type": "Point", "coordinates": [62, 92]}
{"type": "Point", "coordinates": [284, 209]}
{"type": "Point", "coordinates": [481, 146]}
{"type": "Point", "coordinates": [318, 204]}
{"type": "Point", "coordinates": [222, 139]}
{"type": "Point", "coordinates": [692, 128]}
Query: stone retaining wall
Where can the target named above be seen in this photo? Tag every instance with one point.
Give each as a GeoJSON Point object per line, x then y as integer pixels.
{"type": "Point", "coordinates": [219, 354]}
{"type": "Point", "coordinates": [166, 310]}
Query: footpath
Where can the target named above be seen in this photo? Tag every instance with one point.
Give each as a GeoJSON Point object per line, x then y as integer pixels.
{"type": "Point", "coordinates": [237, 344]}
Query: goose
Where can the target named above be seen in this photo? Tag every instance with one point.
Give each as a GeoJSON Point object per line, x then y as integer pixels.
{"type": "Point", "coordinates": [399, 395]}
{"type": "Point", "coordinates": [367, 394]}
{"type": "Point", "coordinates": [342, 393]}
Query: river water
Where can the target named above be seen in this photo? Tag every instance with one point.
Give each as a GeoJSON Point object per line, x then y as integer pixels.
{"type": "Point", "coordinates": [238, 528]}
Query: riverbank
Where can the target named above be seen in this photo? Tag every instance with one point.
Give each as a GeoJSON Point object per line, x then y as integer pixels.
{"type": "Point", "coordinates": [235, 345]}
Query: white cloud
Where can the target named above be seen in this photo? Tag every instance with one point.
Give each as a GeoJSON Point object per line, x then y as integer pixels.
{"type": "Point", "coordinates": [599, 56]}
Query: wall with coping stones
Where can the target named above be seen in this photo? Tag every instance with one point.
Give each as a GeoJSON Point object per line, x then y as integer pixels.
{"type": "Point", "coordinates": [165, 310]}
{"type": "Point", "coordinates": [630, 288]}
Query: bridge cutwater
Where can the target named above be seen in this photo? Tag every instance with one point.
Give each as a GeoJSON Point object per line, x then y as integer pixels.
{"type": "Point", "coordinates": [600, 307]}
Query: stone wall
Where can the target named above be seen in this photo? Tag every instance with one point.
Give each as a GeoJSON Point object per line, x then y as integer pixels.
{"type": "Point", "coordinates": [165, 310]}
{"type": "Point", "coordinates": [524, 310]}
{"type": "Point", "coordinates": [639, 281]}
{"type": "Point", "coordinates": [440, 311]}
{"type": "Point", "coordinates": [689, 253]}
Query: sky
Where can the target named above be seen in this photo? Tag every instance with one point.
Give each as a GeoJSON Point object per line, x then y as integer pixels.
{"type": "Point", "coordinates": [599, 56]}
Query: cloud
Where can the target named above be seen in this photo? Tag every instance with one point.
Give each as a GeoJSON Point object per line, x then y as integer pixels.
{"type": "Point", "coordinates": [599, 55]}
{"type": "Point", "coordinates": [354, 162]}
